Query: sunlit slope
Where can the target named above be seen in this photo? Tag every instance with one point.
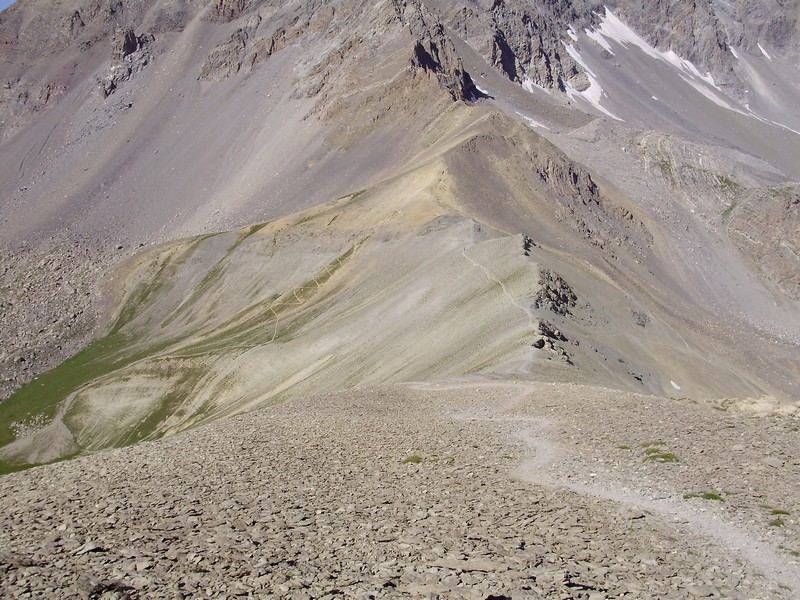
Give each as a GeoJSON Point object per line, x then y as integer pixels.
{"type": "Point", "coordinates": [354, 293]}
{"type": "Point", "coordinates": [491, 252]}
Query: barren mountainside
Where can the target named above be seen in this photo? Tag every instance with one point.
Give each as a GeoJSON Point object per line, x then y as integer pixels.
{"type": "Point", "coordinates": [648, 170]}
{"type": "Point", "coordinates": [400, 298]}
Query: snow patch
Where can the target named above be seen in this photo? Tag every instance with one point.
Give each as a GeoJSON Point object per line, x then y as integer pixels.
{"type": "Point", "coordinates": [481, 90]}
{"type": "Point", "coordinates": [571, 33]}
{"type": "Point", "coordinates": [576, 56]}
{"type": "Point", "coordinates": [612, 27]}
{"type": "Point", "coordinates": [675, 385]}
{"type": "Point", "coordinates": [712, 95]}
{"type": "Point", "coordinates": [594, 92]}
{"type": "Point", "coordinates": [592, 95]}
{"type": "Point", "coordinates": [529, 86]}
{"type": "Point", "coordinates": [532, 123]}
{"type": "Point", "coordinates": [770, 122]}
{"type": "Point", "coordinates": [598, 38]}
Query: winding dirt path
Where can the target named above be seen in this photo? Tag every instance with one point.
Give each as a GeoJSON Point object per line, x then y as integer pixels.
{"type": "Point", "coordinates": [547, 464]}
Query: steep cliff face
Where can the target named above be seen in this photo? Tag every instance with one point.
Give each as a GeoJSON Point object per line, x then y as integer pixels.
{"type": "Point", "coordinates": [709, 34]}
{"type": "Point", "coordinates": [521, 40]}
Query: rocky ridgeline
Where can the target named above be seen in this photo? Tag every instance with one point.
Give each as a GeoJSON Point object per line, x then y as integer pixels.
{"type": "Point", "coordinates": [372, 493]}
{"type": "Point", "coordinates": [49, 307]}
{"type": "Point", "coordinates": [522, 42]}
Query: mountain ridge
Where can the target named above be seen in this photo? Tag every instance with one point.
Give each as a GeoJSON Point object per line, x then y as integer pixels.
{"type": "Point", "coordinates": [150, 122]}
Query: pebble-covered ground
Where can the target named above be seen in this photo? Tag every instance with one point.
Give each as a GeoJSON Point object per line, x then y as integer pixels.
{"type": "Point", "coordinates": [455, 490]}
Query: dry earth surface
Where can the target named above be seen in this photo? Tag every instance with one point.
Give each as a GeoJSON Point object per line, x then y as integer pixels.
{"type": "Point", "coordinates": [469, 488]}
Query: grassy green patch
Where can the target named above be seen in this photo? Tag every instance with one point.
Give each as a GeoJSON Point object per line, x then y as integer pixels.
{"type": "Point", "coordinates": [412, 459]}
{"type": "Point", "coordinates": [653, 451]}
{"type": "Point", "coordinates": [778, 511]}
{"type": "Point", "coordinates": [624, 447]}
{"type": "Point", "coordinates": [776, 523]}
{"type": "Point", "coordinates": [704, 496]}
{"type": "Point", "coordinates": [662, 457]}
{"type": "Point", "coordinates": [167, 264]}
{"type": "Point", "coordinates": [43, 395]}
{"type": "Point", "coordinates": [7, 468]}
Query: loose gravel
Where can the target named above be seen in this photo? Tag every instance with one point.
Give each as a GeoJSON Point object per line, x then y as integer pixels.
{"type": "Point", "coordinates": [467, 489]}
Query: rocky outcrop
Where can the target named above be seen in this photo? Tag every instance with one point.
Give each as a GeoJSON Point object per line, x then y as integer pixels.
{"type": "Point", "coordinates": [433, 51]}
{"type": "Point", "coordinates": [526, 44]}
{"type": "Point", "coordinates": [555, 295]}
{"type": "Point", "coordinates": [765, 227]}
{"type": "Point", "coordinates": [226, 10]}
{"type": "Point", "coordinates": [129, 55]}
{"type": "Point", "coordinates": [521, 41]}
{"type": "Point", "coordinates": [226, 59]}
{"type": "Point", "coordinates": [599, 218]}
{"type": "Point", "coordinates": [21, 100]}
{"type": "Point", "coordinates": [244, 50]}
{"type": "Point", "coordinates": [124, 43]}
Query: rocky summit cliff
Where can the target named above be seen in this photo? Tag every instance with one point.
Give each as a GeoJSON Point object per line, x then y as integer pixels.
{"type": "Point", "coordinates": [207, 207]}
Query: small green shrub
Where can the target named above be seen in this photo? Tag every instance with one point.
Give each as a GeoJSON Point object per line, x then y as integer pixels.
{"type": "Point", "coordinates": [776, 523]}
{"type": "Point", "coordinates": [413, 459]}
{"type": "Point", "coordinates": [662, 457]}
{"type": "Point", "coordinates": [704, 496]}
{"type": "Point", "coordinates": [654, 452]}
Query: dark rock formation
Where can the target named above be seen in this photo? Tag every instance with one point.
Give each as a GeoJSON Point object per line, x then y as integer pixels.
{"type": "Point", "coordinates": [556, 295]}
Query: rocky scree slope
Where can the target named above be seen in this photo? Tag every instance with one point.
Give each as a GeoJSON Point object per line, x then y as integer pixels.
{"type": "Point", "coordinates": [462, 489]}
